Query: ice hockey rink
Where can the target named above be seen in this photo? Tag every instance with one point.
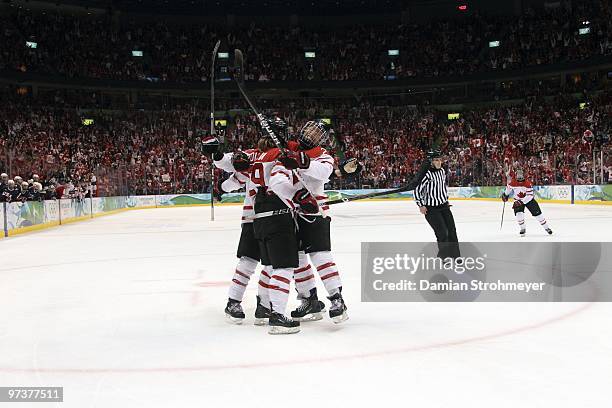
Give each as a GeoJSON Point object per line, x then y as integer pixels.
{"type": "Point", "coordinates": [126, 310]}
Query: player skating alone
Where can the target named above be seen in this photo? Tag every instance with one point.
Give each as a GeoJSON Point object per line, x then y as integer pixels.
{"type": "Point", "coordinates": [522, 191]}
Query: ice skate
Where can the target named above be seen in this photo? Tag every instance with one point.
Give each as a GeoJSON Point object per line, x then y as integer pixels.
{"type": "Point", "coordinates": [311, 309]}
{"type": "Point", "coordinates": [262, 314]}
{"type": "Point", "coordinates": [281, 324]}
{"type": "Point", "coordinates": [337, 310]}
{"type": "Point", "coordinates": [234, 312]}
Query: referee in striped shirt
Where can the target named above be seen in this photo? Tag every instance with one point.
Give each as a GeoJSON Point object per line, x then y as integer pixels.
{"type": "Point", "coordinates": [431, 195]}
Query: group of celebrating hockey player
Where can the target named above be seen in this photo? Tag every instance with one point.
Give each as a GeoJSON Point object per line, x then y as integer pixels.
{"type": "Point", "coordinates": [285, 225]}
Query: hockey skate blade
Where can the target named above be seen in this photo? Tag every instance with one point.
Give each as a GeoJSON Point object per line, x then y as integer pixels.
{"type": "Point", "coordinates": [311, 317]}
{"type": "Point", "coordinates": [274, 330]}
{"type": "Point", "coordinates": [339, 319]}
{"type": "Point", "coordinates": [233, 320]}
{"type": "Point", "coordinates": [261, 321]}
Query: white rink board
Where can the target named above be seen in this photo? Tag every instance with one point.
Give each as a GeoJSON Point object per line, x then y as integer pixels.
{"type": "Point", "coordinates": [127, 311]}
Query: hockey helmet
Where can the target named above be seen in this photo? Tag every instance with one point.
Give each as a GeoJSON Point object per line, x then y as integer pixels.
{"type": "Point", "coordinates": [313, 133]}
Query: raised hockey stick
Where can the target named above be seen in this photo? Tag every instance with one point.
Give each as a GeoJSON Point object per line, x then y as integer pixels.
{"type": "Point", "coordinates": [239, 77]}
{"type": "Point", "coordinates": [212, 128]}
{"type": "Point", "coordinates": [265, 125]}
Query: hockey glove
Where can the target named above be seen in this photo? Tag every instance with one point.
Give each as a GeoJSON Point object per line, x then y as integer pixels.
{"type": "Point", "coordinates": [294, 160]}
{"type": "Point", "coordinates": [306, 201]}
{"type": "Point", "coordinates": [504, 197]}
{"type": "Point", "coordinates": [210, 145]}
{"type": "Point", "coordinates": [349, 166]}
{"type": "Point", "coordinates": [517, 204]}
{"type": "Point", "coordinates": [241, 161]}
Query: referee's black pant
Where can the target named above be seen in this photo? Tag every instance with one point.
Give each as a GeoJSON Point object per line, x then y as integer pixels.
{"type": "Point", "coordinates": [442, 222]}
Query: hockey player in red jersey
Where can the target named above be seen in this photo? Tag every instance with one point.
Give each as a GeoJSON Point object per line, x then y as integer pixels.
{"type": "Point", "coordinates": [239, 165]}
{"type": "Point", "coordinates": [276, 201]}
{"type": "Point", "coordinates": [522, 192]}
{"type": "Point", "coordinates": [314, 165]}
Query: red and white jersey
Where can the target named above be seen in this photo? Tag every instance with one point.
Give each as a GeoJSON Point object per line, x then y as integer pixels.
{"type": "Point", "coordinates": [318, 173]}
{"type": "Point", "coordinates": [271, 173]}
{"type": "Point", "coordinates": [240, 179]}
{"type": "Point", "coordinates": [520, 190]}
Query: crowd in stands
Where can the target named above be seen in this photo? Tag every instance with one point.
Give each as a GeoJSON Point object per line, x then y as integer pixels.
{"type": "Point", "coordinates": [101, 46]}
{"type": "Point", "coordinates": [144, 152]}
{"type": "Point", "coordinates": [19, 190]}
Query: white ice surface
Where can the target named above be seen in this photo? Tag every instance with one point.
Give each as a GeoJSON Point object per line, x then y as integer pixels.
{"type": "Point", "coordinates": [127, 311]}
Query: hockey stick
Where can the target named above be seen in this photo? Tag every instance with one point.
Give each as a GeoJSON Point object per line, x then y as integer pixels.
{"type": "Point", "coordinates": [507, 172]}
{"type": "Point", "coordinates": [239, 77]}
{"type": "Point", "coordinates": [409, 187]}
{"type": "Point", "coordinates": [212, 128]}
{"type": "Point", "coordinates": [265, 125]}
{"type": "Point", "coordinates": [369, 195]}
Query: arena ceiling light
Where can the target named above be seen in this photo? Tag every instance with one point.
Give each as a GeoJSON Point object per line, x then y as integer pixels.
{"type": "Point", "coordinates": [310, 54]}
{"type": "Point", "coordinates": [493, 44]}
{"type": "Point", "coordinates": [393, 53]}
{"type": "Point", "coordinates": [31, 44]}
{"type": "Point", "coordinates": [136, 53]}
{"type": "Point", "coordinates": [584, 30]}
{"type": "Point", "coordinates": [223, 55]}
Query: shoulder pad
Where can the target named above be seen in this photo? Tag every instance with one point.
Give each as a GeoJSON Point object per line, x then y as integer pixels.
{"type": "Point", "coordinates": [316, 152]}
{"type": "Point", "coordinates": [270, 155]}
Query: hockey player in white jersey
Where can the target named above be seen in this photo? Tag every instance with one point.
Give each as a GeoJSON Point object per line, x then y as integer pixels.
{"type": "Point", "coordinates": [238, 164]}
{"type": "Point", "coordinates": [314, 165]}
{"type": "Point", "coordinates": [276, 201]}
{"type": "Point", "coordinates": [522, 191]}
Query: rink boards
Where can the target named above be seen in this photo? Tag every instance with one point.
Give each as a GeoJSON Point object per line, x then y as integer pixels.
{"type": "Point", "coordinates": [17, 218]}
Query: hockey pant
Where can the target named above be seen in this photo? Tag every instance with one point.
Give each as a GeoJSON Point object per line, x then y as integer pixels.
{"type": "Point", "coordinates": [315, 243]}
{"type": "Point", "coordinates": [534, 209]}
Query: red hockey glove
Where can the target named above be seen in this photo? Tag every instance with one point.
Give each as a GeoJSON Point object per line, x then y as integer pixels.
{"type": "Point", "coordinates": [294, 160]}
{"type": "Point", "coordinates": [517, 204]}
{"type": "Point", "coordinates": [306, 201]}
